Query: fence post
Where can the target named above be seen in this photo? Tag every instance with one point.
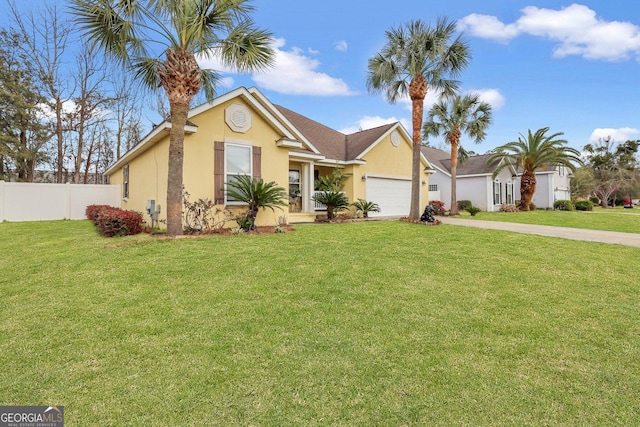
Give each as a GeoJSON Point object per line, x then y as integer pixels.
{"type": "Point", "coordinates": [1, 200]}
{"type": "Point", "coordinates": [67, 201]}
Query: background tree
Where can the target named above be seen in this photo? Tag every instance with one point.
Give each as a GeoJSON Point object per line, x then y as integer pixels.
{"type": "Point", "coordinates": [45, 37]}
{"type": "Point", "coordinates": [535, 151]}
{"type": "Point", "coordinates": [127, 112]}
{"type": "Point", "coordinates": [612, 168]}
{"type": "Point", "coordinates": [130, 31]}
{"type": "Point", "coordinates": [23, 134]}
{"type": "Point", "coordinates": [91, 103]}
{"type": "Point", "coordinates": [453, 118]}
{"type": "Point", "coordinates": [414, 57]}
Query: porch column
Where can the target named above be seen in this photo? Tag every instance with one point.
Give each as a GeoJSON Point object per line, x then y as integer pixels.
{"type": "Point", "coordinates": [307, 172]}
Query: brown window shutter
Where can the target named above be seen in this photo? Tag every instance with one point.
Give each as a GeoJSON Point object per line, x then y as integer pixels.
{"type": "Point", "coordinates": [218, 172]}
{"type": "Point", "coordinates": [257, 162]}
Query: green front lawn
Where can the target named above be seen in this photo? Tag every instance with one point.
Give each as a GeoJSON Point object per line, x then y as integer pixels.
{"type": "Point", "coordinates": [377, 323]}
{"type": "Point", "coordinates": [624, 220]}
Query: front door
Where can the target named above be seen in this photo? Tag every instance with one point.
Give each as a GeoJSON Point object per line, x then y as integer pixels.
{"type": "Point", "coordinates": [295, 193]}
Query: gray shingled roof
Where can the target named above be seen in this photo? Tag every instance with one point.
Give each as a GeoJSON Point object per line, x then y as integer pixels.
{"type": "Point", "coordinates": [475, 165]}
{"type": "Point", "coordinates": [331, 143]}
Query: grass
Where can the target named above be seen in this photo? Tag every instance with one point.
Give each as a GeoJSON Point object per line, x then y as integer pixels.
{"type": "Point", "coordinates": [377, 323]}
{"type": "Point", "coordinates": [623, 220]}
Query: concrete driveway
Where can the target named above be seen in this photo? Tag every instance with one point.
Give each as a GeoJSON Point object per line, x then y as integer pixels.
{"type": "Point", "coordinates": [612, 237]}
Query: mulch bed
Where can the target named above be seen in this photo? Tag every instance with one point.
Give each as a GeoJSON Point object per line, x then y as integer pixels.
{"type": "Point", "coordinates": [417, 221]}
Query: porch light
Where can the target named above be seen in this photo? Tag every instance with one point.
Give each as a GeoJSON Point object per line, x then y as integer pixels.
{"type": "Point", "coordinates": [364, 177]}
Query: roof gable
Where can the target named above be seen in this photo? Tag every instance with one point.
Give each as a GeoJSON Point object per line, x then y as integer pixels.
{"type": "Point", "coordinates": [327, 141]}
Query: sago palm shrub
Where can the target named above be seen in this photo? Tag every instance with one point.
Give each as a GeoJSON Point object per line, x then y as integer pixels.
{"type": "Point", "coordinates": [257, 194]}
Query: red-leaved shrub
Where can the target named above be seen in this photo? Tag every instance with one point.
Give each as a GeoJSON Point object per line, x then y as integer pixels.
{"type": "Point", "coordinates": [92, 211]}
{"type": "Point", "coordinates": [438, 207]}
{"type": "Point", "coordinates": [117, 222]}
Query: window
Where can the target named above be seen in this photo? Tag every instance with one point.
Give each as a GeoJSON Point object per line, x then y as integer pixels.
{"type": "Point", "coordinates": [497, 192]}
{"type": "Point", "coordinates": [237, 162]}
{"type": "Point", "coordinates": [125, 182]}
{"type": "Point", "coordinates": [509, 192]}
{"type": "Point", "coordinates": [433, 187]}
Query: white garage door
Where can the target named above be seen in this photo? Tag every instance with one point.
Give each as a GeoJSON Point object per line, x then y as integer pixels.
{"type": "Point", "coordinates": [392, 195]}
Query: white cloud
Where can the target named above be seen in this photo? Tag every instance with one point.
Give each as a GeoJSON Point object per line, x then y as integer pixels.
{"type": "Point", "coordinates": [370, 122]}
{"type": "Point", "coordinates": [226, 82]}
{"type": "Point", "coordinates": [294, 73]}
{"type": "Point", "coordinates": [576, 29]}
{"type": "Point", "coordinates": [341, 46]}
{"type": "Point", "coordinates": [487, 27]}
{"type": "Point", "coordinates": [492, 97]}
{"type": "Point", "coordinates": [47, 113]}
{"type": "Point", "coordinates": [619, 135]}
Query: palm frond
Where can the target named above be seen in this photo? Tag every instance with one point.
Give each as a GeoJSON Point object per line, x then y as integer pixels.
{"type": "Point", "coordinates": [247, 48]}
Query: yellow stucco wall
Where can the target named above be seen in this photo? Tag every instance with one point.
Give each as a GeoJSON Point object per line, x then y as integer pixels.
{"type": "Point", "coordinates": [148, 171]}
{"type": "Point", "coordinates": [388, 161]}
{"type": "Point", "coordinates": [147, 179]}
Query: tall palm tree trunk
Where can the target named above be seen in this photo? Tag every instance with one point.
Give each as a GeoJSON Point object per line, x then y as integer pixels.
{"type": "Point", "coordinates": [417, 93]}
{"type": "Point", "coordinates": [181, 80]}
{"type": "Point", "coordinates": [174, 176]}
{"type": "Point", "coordinates": [527, 189]}
{"type": "Point", "coordinates": [454, 173]}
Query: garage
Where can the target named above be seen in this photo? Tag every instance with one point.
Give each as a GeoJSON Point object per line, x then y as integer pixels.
{"type": "Point", "coordinates": [392, 195]}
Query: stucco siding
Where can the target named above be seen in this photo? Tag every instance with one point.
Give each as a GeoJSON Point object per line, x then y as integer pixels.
{"type": "Point", "coordinates": [385, 160]}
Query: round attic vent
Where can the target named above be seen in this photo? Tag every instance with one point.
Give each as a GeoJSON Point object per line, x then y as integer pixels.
{"type": "Point", "coordinates": [238, 118]}
{"type": "Point", "coordinates": [395, 138]}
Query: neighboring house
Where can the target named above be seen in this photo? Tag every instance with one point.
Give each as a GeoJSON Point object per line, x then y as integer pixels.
{"type": "Point", "coordinates": [552, 183]}
{"type": "Point", "coordinates": [475, 182]}
{"type": "Point", "coordinates": [242, 132]}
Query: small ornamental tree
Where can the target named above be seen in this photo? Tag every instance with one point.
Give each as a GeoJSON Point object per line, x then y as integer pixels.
{"type": "Point", "coordinates": [257, 194]}
{"type": "Point", "coordinates": [331, 194]}
{"type": "Point", "coordinates": [365, 207]}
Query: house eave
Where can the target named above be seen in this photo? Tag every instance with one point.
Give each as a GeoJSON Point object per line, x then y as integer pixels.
{"type": "Point", "coordinates": [288, 143]}
{"type": "Point", "coordinates": [157, 134]}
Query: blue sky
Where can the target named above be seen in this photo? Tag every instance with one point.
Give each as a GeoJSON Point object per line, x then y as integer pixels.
{"type": "Point", "coordinates": [573, 67]}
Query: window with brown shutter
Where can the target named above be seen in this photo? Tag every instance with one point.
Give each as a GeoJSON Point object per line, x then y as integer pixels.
{"type": "Point", "coordinates": [231, 160]}
{"type": "Point", "coordinates": [218, 172]}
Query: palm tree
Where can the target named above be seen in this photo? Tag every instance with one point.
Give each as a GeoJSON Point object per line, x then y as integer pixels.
{"type": "Point", "coordinates": [334, 201]}
{"type": "Point", "coordinates": [415, 57]}
{"type": "Point", "coordinates": [536, 151]}
{"type": "Point", "coordinates": [138, 33]}
{"type": "Point", "coordinates": [460, 115]}
{"type": "Point", "coordinates": [257, 194]}
{"type": "Point", "coordinates": [365, 207]}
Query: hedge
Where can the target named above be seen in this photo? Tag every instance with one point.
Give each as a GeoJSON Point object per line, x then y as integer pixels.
{"type": "Point", "coordinates": [112, 221]}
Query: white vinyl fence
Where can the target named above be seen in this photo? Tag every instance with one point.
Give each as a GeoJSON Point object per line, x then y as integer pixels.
{"type": "Point", "coordinates": [23, 201]}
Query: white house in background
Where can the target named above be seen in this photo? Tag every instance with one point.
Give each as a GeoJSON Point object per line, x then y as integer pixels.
{"type": "Point", "coordinates": [474, 182]}
{"type": "Point", "coordinates": [552, 183]}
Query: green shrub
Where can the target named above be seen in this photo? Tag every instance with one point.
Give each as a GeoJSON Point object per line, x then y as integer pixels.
{"type": "Point", "coordinates": [584, 205]}
{"type": "Point", "coordinates": [244, 221]}
{"type": "Point", "coordinates": [594, 200]}
{"type": "Point", "coordinates": [473, 210]}
{"type": "Point", "coordinates": [365, 207]}
{"type": "Point", "coordinates": [563, 205]}
{"type": "Point", "coordinates": [463, 205]}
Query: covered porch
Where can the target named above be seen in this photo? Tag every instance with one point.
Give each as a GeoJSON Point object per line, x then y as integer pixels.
{"type": "Point", "coordinates": [303, 174]}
